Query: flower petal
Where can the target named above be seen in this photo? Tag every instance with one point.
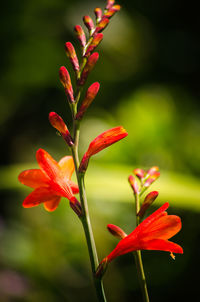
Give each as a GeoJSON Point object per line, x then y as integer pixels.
{"type": "Point", "coordinates": [48, 164]}
{"type": "Point", "coordinates": [52, 204]}
{"type": "Point", "coordinates": [38, 196]}
{"type": "Point", "coordinates": [33, 178]}
{"type": "Point", "coordinates": [164, 227]}
{"type": "Point", "coordinates": [67, 166]}
{"type": "Point", "coordinates": [162, 245]}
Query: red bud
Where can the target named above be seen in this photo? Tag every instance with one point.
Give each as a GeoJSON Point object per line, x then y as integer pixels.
{"type": "Point", "coordinates": [88, 67]}
{"type": "Point", "coordinates": [116, 231]}
{"type": "Point", "coordinates": [88, 23]}
{"type": "Point", "coordinates": [140, 173]}
{"type": "Point", "coordinates": [98, 13]}
{"type": "Point", "coordinates": [57, 122]}
{"type": "Point", "coordinates": [110, 4]}
{"type": "Point", "coordinates": [95, 42]}
{"type": "Point", "coordinates": [90, 95]}
{"type": "Point", "coordinates": [102, 25]}
{"type": "Point", "coordinates": [133, 184]}
{"type": "Point", "coordinates": [151, 179]}
{"type": "Point", "coordinates": [71, 53]}
{"type": "Point", "coordinates": [80, 35]}
{"type": "Point", "coordinates": [149, 199]}
{"type": "Point", "coordinates": [66, 81]}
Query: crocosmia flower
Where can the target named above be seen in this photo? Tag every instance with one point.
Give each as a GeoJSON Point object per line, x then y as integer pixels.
{"type": "Point", "coordinates": [151, 234]}
{"type": "Point", "coordinates": [51, 182]}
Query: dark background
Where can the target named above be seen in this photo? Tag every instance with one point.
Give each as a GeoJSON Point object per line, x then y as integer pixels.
{"type": "Point", "coordinates": [149, 72]}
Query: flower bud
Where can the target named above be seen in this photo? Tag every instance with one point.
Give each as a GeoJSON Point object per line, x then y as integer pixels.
{"type": "Point", "coordinates": [151, 179]}
{"type": "Point", "coordinates": [88, 67]}
{"type": "Point", "coordinates": [95, 42]}
{"type": "Point", "coordinates": [140, 173]}
{"type": "Point", "coordinates": [90, 95]}
{"type": "Point", "coordinates": [71, 53]}
{"type": "Point", "coordinates": [116, 231]}
{"type": "Point", "coordinates": [88, 23]}
{"type": "Point", "coordinates": [80, 35]}
{"type": "Point", "coordinates": [57, 122]}
{"type": "Point", "coordinates": [102, 25]}
{"type": "Point", "coordinates": [98, 13]}
{"type": "Point", "coordinates": [152, 170]}
{"type": "Point", "coordinates": [101, 269]}
{"type": "Point", "coordinates": [76, 206]}
{"type": "Point", "coordinates": [66, 81]}
{"type": "Point", "coordinates": [149, 199]}
{"type": "Point", "coordinates": [133, 184]}
{"type": "Point", "coordinates": [110, 4]}
{"type": "Point", "coordinates": [112, 11]}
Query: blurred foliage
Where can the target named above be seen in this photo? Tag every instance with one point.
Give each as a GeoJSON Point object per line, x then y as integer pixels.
{"type": "Point", "coordinates": [149, 73]}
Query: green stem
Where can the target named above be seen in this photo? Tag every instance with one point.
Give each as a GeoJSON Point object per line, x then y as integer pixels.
{"type": "Point", "coordinates": [138, 257]}
{"type": "Point", "coordinates": [85, 219]}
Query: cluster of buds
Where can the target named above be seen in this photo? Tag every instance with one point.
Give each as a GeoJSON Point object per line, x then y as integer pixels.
{"type": "Point", "coordinates": [140, 182]}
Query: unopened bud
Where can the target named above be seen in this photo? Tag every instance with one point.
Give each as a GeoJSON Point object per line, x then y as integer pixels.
{"type": "Point", "coordinates": [149, 199]}
{"type": "Point", "coordinates": [110, 4]}
{"type": "Point", "coordinates": [140, 173]}
{"type": "Point", "coordinates": [80, 35]}
{"type": "Point", "coordinates": [66, 81]}
{"type": "Point", "coordinates": [90, 95]}
{"type": "Point", "coordinates": [116, 231]}
{"type": "Point", "coordinates": [76, 206]}
{"type": "Point", "coordinates": [88, 67]}
{"type": "Point", "coordinates": [102, 25]}
{"type": "Point", "coordinates": [98, 13]}
{"type": "Point", "coordinates": [71, 53]}
{"type": "Point", "coordinates": [152, 170]}
{"type": "Point", "coordinates": [151, 179]}
{"type": "Point", "coordinates": [57, 122]}
{"type": "Point", "coordinates": [95, 42]}
{"type": "Point", "coordinates": [133, 184]}
{"type": "Point", "coordinates": [88, 23]}
{"type": "Point", "coordinates": [101, 269]}
{"type": "Point", "coordinates": [109, 13]}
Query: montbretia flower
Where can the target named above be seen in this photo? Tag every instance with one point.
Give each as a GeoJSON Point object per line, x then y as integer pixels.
{"type": "Point", "coordinates": [71, 53]}
{"type": "Point", "coordinates": [80, 35]}
{"type": "Point", "coordinates": [51, 182]}
{"type": "Point", "coordinates": [101, 142]}
{"type": "Point", "coordinates": [66, 81]}
{"type": "Point", "coordinates": [151, 234]}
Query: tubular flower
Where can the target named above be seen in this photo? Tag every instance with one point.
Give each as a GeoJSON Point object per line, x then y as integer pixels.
{"type": "Point", "coordinates": [101, 142]}
{"type": "Point", "coordinates": [151, 234]}
{"type": "Point", "coordinates": [51, 182]}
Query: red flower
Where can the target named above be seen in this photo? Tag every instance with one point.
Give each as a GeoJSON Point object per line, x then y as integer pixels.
{"type": "Point", "coordinates": [101, 142]}
{"type": "Point", "coordinates": [152, 234]}
{"type": "Point", "coordinates": [51, 182]}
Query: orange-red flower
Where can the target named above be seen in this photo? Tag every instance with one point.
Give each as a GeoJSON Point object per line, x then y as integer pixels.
{"type": "Point", "coordinates": [101, 142]}
{"type": "Point", "coordinates": [151, 234]}
{"type": "Point", "coordinates": [51, 182]}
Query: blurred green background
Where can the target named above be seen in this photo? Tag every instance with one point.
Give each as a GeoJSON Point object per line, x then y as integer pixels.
{"type": "Point", "coordinates": [149, 72]}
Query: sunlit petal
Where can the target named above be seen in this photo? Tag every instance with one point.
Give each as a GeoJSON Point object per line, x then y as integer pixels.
{"type": "Point", "coordinates": [33, 178]}
{"type": "Point", "coordinates": [48, 164]}
{"type": "Point", "coordinates": [67, 166]}
{"type": "Point", "coordinates": [162, 245]}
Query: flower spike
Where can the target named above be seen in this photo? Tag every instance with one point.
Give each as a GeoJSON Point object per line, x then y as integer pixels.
{"type": "Point", "coordinates": [71, 53]}
{"type": "Point", "coordinates": [90, 95]}
{"type": "Point", "coordinates": [101, 142]}
{"type": "Point", "coordinates": [66, 81]}
{"type": "Point", "coordinates": [57, 122]}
